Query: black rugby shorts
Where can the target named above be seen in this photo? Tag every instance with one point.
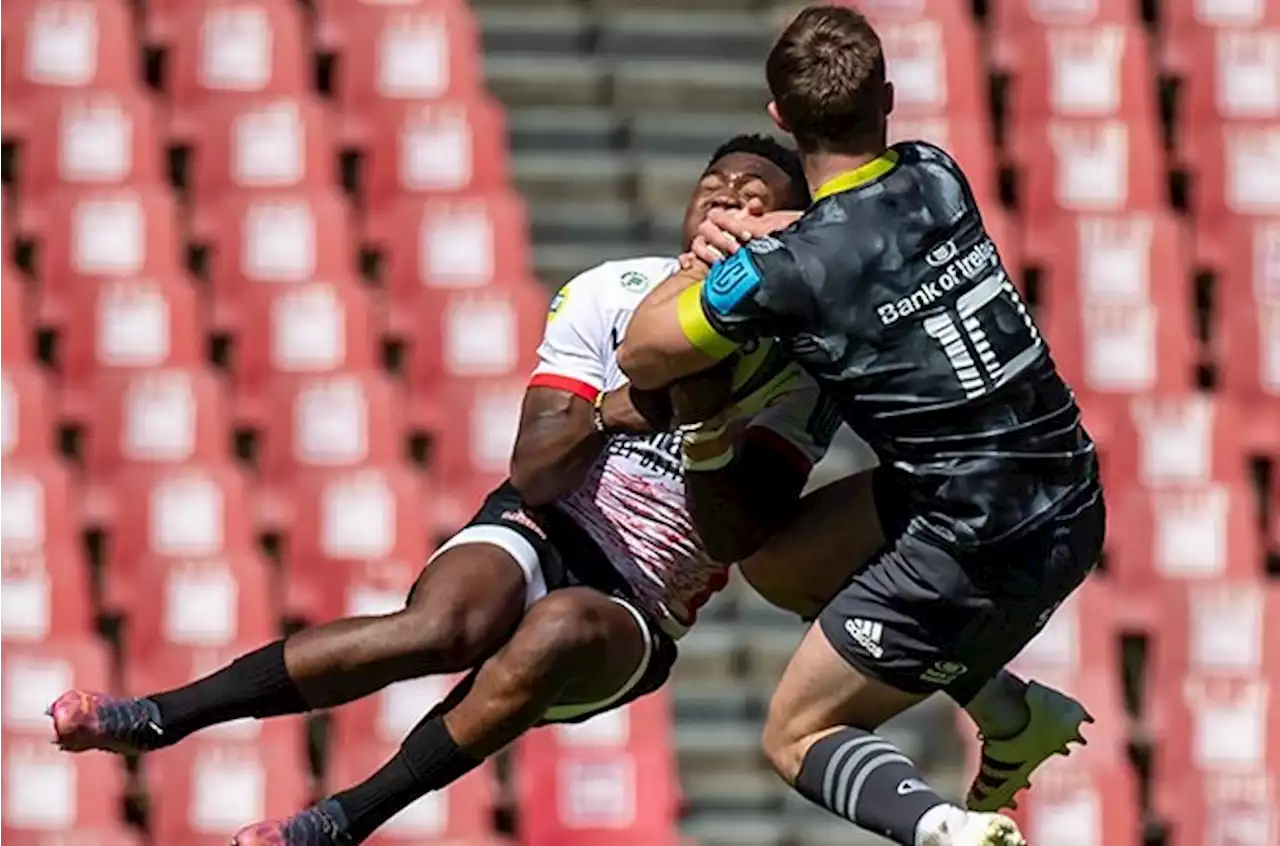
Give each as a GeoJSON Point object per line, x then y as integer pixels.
{"type": "Point", "coordinates": [922, 618]}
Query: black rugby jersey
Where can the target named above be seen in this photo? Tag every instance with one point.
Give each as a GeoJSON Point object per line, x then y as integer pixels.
{"type": "Point", "coordinates": [892, 294]}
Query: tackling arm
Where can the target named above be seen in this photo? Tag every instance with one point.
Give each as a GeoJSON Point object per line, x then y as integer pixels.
{"type": "Point", "coordinates": [689, 323]}
{"type": "Point", "coordinates": [738, 507]}
{"type": "Point", "coordinates": [743, 486]}
{"type": "Point", "coordinates": [657, 349]}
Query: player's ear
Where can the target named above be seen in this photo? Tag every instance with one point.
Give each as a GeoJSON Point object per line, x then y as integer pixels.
{"type": "Point", "coordinates": [888, 99]}
{"type": "Point", "coordinates": [772, 109]}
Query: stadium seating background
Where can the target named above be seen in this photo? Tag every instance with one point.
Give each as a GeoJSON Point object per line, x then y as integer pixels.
{"type": "Point", "coordinates": [269, 301]}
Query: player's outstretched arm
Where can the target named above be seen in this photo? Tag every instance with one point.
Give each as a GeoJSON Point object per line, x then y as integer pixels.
{"type": "Point", "coordinates": [657, 349]}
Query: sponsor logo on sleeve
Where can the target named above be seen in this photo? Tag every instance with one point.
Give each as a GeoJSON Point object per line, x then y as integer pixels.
{"type": "Point", "coordinates": [557, 303]}
{"type": "Point", "coordinates": [632, 281]}
{"type": "Point", "coordinates": [731, 281]}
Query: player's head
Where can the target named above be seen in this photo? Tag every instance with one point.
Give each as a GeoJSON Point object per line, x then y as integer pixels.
{"type": "Point", "coordinates": [826, 75]}
{"type": "Point", "coordinates": [747, 170]}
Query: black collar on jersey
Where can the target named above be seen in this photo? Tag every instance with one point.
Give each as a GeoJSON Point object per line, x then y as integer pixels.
{"type": "Point", "coordinates": [859, 176]}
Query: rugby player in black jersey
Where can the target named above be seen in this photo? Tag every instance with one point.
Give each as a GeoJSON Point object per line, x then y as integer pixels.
{"type": "Point", "coordinates": [891, 293]}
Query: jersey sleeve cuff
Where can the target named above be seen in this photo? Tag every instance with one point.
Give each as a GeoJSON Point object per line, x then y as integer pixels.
{"type": "Point", "coordinates": [696, 326]}
{"type": "Point", "coordinates": [568, 384]}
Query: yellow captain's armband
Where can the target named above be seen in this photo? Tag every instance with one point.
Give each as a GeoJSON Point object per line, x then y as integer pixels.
{"type": "Point", "coordinates": [696, 327]}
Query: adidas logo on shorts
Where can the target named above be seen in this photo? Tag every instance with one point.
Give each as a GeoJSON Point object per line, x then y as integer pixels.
{"type": "Point", "coordinates": [866, 633]}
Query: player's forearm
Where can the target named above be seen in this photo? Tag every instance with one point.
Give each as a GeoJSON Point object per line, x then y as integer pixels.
{"type": "Point", "coordinates": [556, 449]}
{"type": "Point", "coordinates": [737, 508]}
{"type": "Point", "coordinates": [723, 520]}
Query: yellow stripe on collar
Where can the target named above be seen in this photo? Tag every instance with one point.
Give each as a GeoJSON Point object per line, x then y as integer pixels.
{"type": "Point", "coordinates": [859, 176]}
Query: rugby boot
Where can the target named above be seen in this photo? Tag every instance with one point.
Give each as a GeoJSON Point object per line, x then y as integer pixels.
{"type": "Point", "coordinates": [957, 827]}
{"type": "Point", "coordinates": [316, 826]}
{"type": "Point", "coordinates": [1053, 725]}
{"type": "Point", "coordinates": [83, 721]}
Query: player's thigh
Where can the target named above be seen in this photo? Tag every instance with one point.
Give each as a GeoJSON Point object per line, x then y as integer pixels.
{"type": "Point", "coordinates": [481, 580]}
{"type": "Point", "coordinates": [820, 692]}
{"type": "Point", "coordinates": [833, 535]}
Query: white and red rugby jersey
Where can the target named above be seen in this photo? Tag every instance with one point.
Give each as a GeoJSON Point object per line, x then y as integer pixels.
{"type": "Point", "coordinates": [632, 503]}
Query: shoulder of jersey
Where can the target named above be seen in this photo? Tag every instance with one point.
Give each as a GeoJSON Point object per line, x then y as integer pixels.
{"type": "Point", "coordinates": [626, 277]}
{"type": "Point", "coordinates": [622, 283]}
{"type": "Point", "coordinates": [923, 151]}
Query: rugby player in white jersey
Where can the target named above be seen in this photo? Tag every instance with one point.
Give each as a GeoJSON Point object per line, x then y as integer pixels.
{"type": "Point", "coordinates": [565, 594]}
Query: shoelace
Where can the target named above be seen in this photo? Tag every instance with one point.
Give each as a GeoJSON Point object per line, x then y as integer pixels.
{"type": "Point", "coordinates": [313, 827]}
{"type": "Point", "coordinates": [130, 721]}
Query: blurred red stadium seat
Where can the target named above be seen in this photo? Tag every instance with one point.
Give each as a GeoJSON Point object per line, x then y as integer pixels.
{"type": "Point", "coordinates": [1234, 169]}
{"type": "Point", "coordinates": [1088, 165]}
{"type": "Point", "coordinates": [102, 835]}
{"type": "Point", "coordinates": [210, 785]}
{"type": "Point", "coordinates": [35, 674]}
{"type": "Point", "coordinates": [262, 143]}
{"type": "Point", "coordinates": [65, 44]}
{"type": "Point", "coordinates": [1232, 808]}
{"type": "Point", "coordinates": [1098, 71]}
{"type": "Point", "coordinates": [28, 412]}
{"type": "Point", "coordinates": [177, 512]}
{"type": "Point", "coordinates": [610, 779]}
{"type": "Point", "coordinates": [342, 420]}
{"type": "Point", "coordinates": [16, 311]}
{"type": "Point", "coordinates": [89, 137]}
{"type": "Point", "coordinates": [48, 791]}
{"type": "Point", "coordinates": [1121, 349]}
{"type": "Point", "coordinates": [356, 539]}
{"type": "Point", "coordinates": [430, 148]}
{"type": "Point", "coordinates": [197, 603]}
{"type": "Point", "coordinates": [1184, 20]}
{"type": "Point", "coordinates": [39, 514]}
{"type": "Point", "coordinates": [87, 234]}
{"type": "Point", "coordinates": [1193, 534]}
{"type": "Point", "coordinates": [1083, 802]}
{"type": "Point", "coordinates": [934, 65]}
{"type": "Point", "coordinates": [469, 334]}
{"type": "Point", "coordinates": [475, 437]}
{"type": "Point", "coordinates": [156, 416]}
{"type": "Point", "coordinates": [274, 237]}
{"type": "Point", "coordinates": [314, 328]}
{"type": "Point", "coordinates": [46, 596]}
{"type": "Point", "coordinates": [128, 324]}
{"type": "Point", "coordinates": [233, 50]}
{"type": "Point", "coordinates": [1174, 440]}
{"type": "Point", "coordinates": [449, 243]}
{"type": "Point", "coordinates": [417, 51]}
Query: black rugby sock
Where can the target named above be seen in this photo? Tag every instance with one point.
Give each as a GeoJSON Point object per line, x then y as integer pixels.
{"type": "Point", "coordinates": [865, 779]}
{"type": "Point", "coordinates": [428, 760]}
{"type": "Point", "coordinates": [254, 685]}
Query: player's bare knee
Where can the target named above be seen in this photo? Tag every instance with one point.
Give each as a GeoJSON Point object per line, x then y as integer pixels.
{"type": "Point", "coordinates": [784, 745]}
{"type": "Point", "coordinates": [567, 629]}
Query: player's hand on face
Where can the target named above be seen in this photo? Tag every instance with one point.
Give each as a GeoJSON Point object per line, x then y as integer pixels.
{"type": "Point", "coordinates": [725, 230]}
